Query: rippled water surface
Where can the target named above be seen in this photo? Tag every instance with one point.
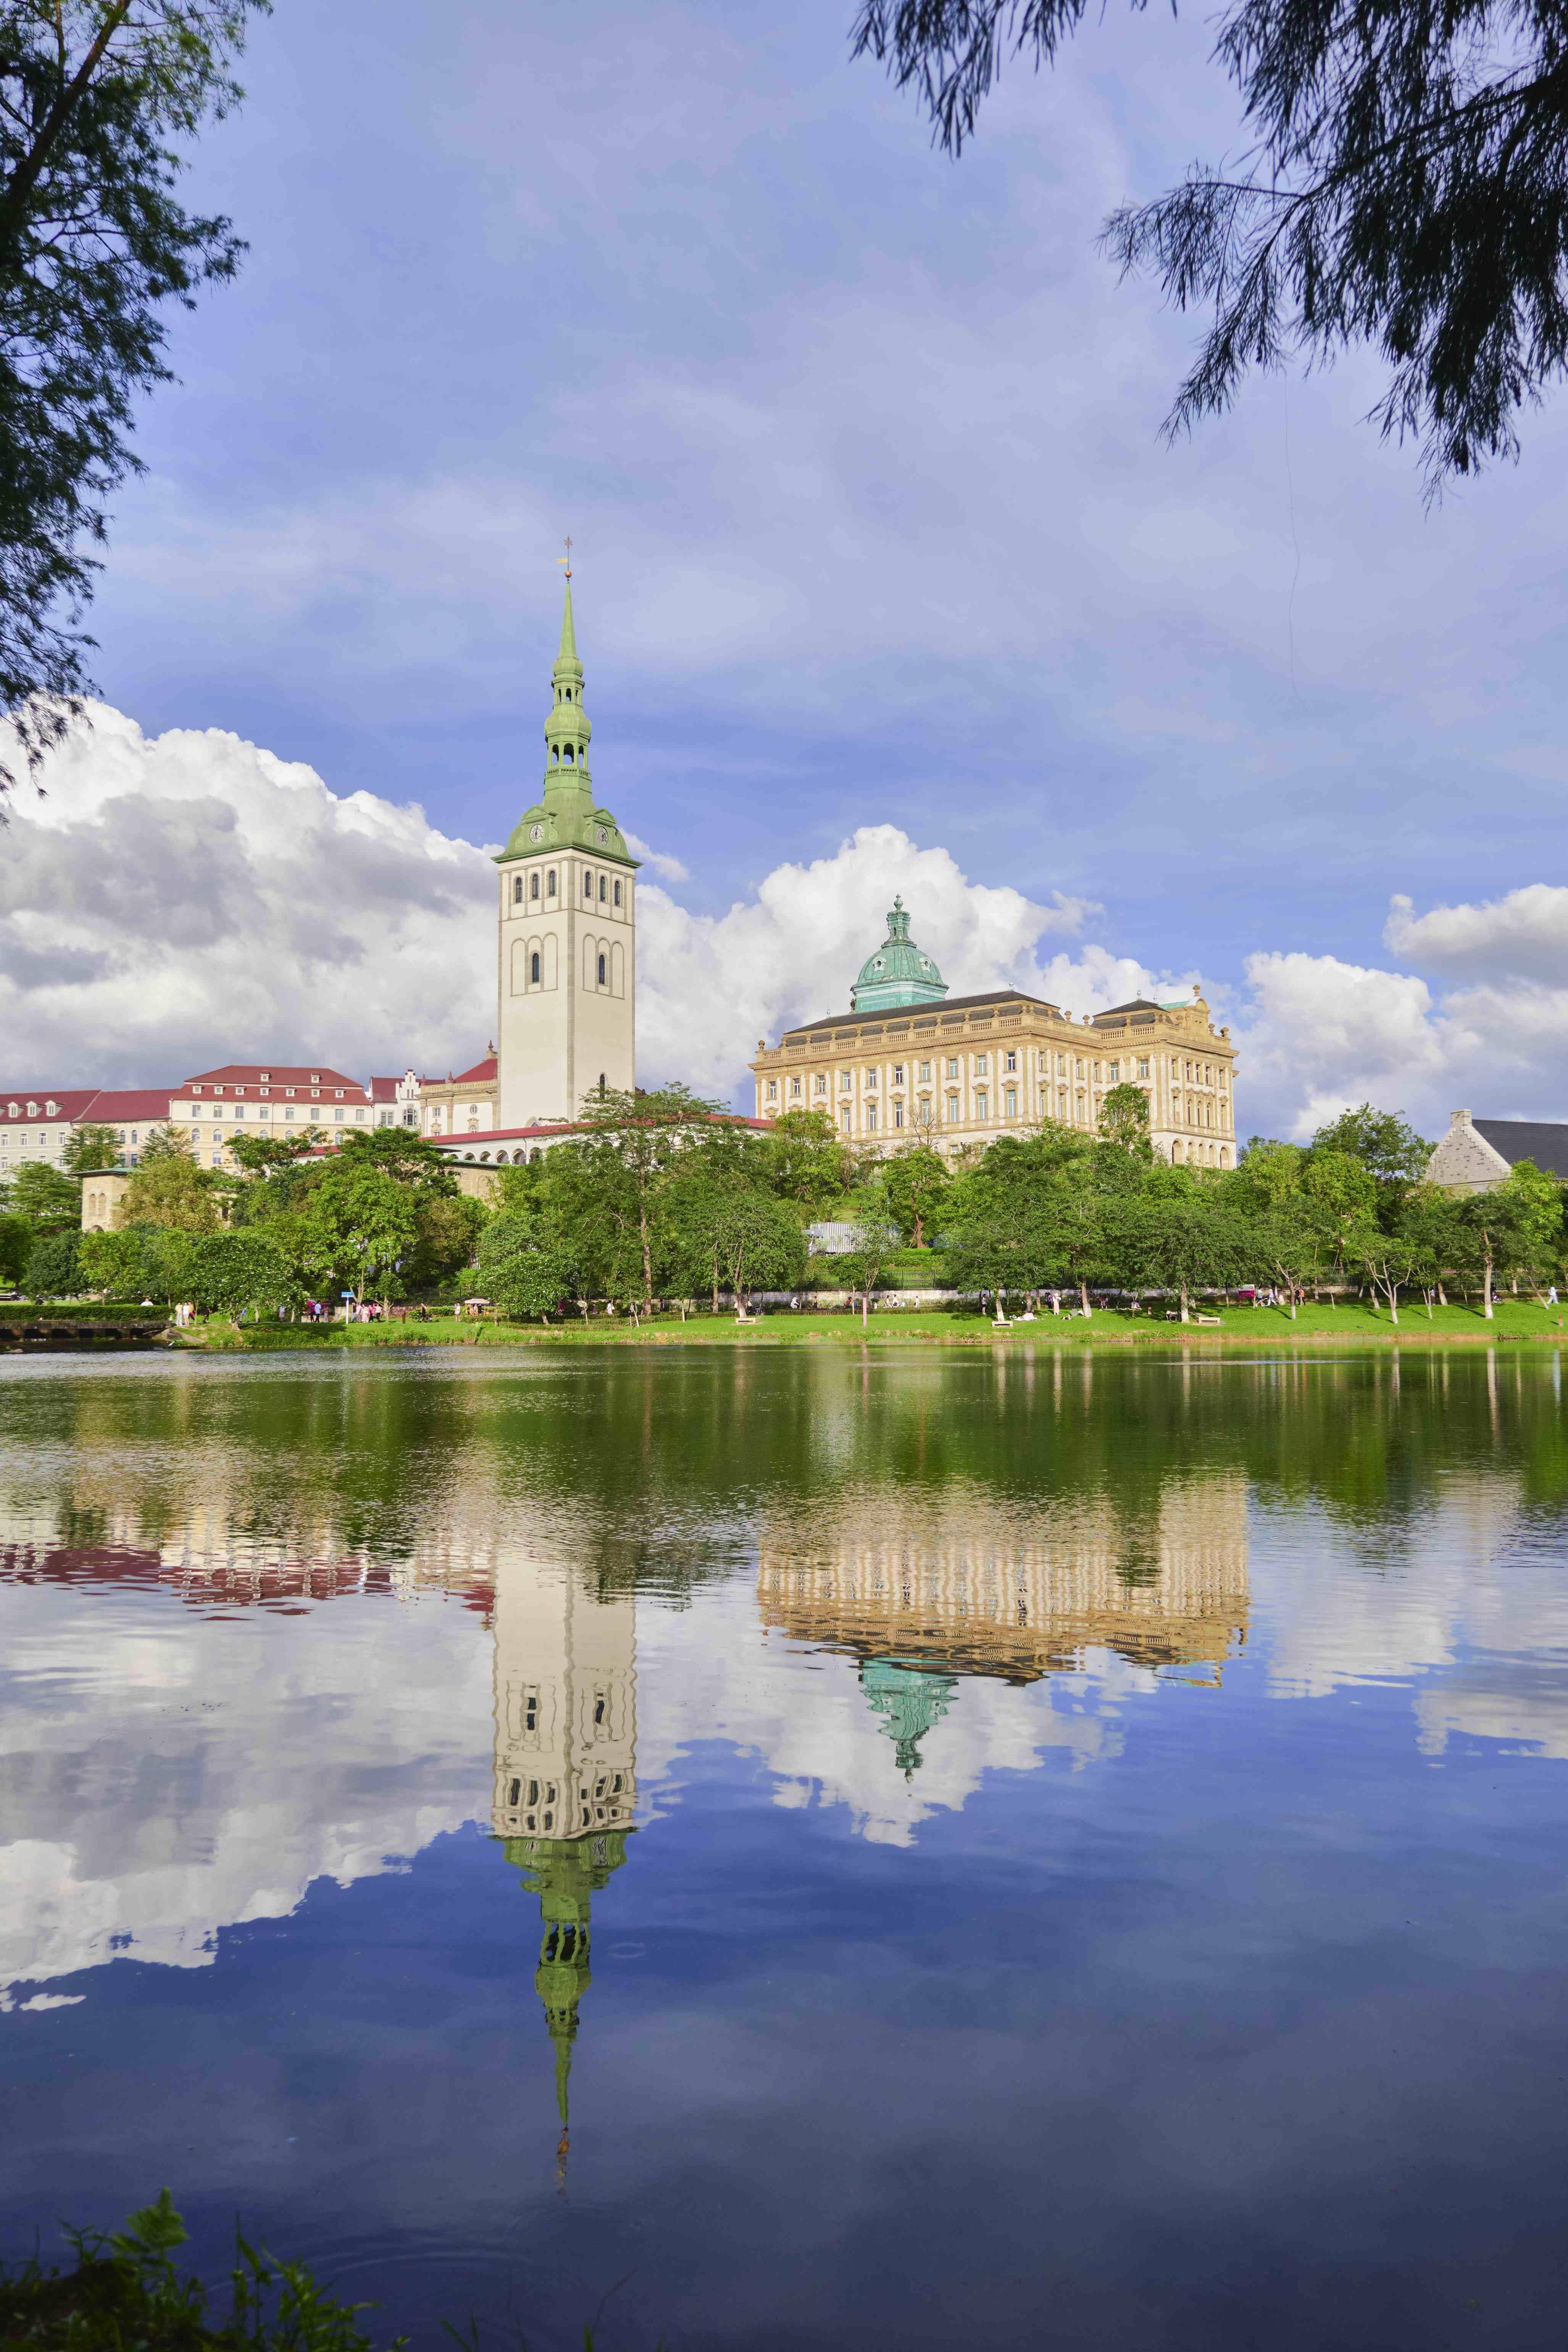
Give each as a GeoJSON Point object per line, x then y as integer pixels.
{"type": "Point", "coordinates": [787, 1848]}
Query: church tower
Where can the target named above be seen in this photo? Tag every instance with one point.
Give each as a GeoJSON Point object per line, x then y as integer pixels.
{"type": "Point", "coordinates": [566, 966]}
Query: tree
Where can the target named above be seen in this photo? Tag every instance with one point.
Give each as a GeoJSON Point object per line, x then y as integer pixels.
{"type": "Point", "coordinates": [400, 1152]}
{"type": "Point", "coordinates": [915, 1183]}
{"type": "Point", "coordinates": [757, 1241]}
{"type": "Point", "coordinates": [861, 1268]}
{"type": "Point", "coordinates": [1017, 1247]}
{"type": "Point", "coordinates": [93, 244]}
{"type": "Point", "coordinates": [52, 1269]}
{"type": "Point", "coordinates": [169, 1189]}
{"type": "Point", "coordinates": [91, 1148]}
{"type": "Point", "coordinates": [271, 1154]}
{"type": "Point", "coordinates": [525, 1273]}
{"type": "Point", "coordinates": [806, 1159]}
{"type": "Point", "coordinates": [1183, 1242]}
{"type": "Point", "coordinates": [231, 1273]}
{"type": "Point", "coordinates": [608, 1186]}
{"type": "Point", "coordinates": [1515, 1226]}
{"type": "Point", "coordinates": [165, 1142]}
{"type": "Point", "coordinates": [1402, 183]}
{"type": "Point", "coordinates": [15, 1241]}
{"type": "Point", "coordinates": [357, 1227]}
{"type": "Point", "coordinates": [1339, 1201]}
{"type": "Point", "coordinates": [49, 1200]}
{"type": "Point", "coordinates": [112, 1262]}
{"type": "Point", "coordinates": [1266, 1176]}
{"type": "Point", "coordinates": [1431, 1225]}
{"type": "Point", "coordinates": [1393, 1154]}
{"type": "Point", "coordinates": [1124, 1119]}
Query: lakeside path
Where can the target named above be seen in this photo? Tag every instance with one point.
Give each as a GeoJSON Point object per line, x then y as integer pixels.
{"type": "Point", "coordinates": [1517, 1322]}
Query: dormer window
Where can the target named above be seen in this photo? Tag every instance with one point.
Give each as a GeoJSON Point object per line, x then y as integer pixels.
{"type": "Point", "coordinates": [266, 1077]}
{"type": "Point", "coordinates": [51, 1108]}
{"type": "Point", "coordinates": [32, 1110]}
{"type": "Point", "coordinates": [289, 1092]}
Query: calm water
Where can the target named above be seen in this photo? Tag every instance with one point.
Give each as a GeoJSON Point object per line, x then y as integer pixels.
{"type": "Point", "coordinates": [798, 1849]}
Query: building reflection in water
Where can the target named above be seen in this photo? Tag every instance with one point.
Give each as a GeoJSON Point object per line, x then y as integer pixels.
{"type": "Point", "coordinates": [565, 1772]}
{"type": "Point", "coordinates": [922, 1590]}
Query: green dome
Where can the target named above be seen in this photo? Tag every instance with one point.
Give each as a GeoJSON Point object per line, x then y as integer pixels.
{"type": "Point", "coordinates": [898, 973]}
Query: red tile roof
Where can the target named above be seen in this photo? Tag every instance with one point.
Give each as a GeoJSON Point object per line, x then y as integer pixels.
{"type": "Point", "coordinates": [482, 1073]}
{"type": "Point", "coordinates": [148, 1103]}
{"type": "Point", "coordinates": [276, 1074]}
{"type": "Point", "coordinates": [70, 1102]}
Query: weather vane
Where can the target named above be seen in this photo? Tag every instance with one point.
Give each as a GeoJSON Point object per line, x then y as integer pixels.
{"type": "Point", "coordinates": [566, 559]}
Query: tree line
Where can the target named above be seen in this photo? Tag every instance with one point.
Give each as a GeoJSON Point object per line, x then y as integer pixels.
{"type": "Point", "coordinates": [664, 1196]}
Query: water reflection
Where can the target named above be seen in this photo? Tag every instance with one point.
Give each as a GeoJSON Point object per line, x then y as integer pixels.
{"type": "Point", "coordinates": [1044, 1778]}
{"type": "Point", "coordinates": [565, 1771]}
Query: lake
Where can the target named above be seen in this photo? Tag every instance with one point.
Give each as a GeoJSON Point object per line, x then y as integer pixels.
{"type": "Point", "coordinates": [791, 1847]}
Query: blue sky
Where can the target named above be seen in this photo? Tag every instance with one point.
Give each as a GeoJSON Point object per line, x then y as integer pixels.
{"type": "Point", "coordinates": [860, 452]}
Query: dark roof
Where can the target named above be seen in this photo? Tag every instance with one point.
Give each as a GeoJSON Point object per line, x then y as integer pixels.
{"type": "Point", "coordinates": [911, 1011]}
{"type": "Point", "coordinates": [1527, 1139]}
{"type": "Point", "coordinates": [1133, 1005]}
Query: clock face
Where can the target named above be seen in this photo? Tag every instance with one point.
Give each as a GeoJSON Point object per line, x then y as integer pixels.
{"type": "Point", "coordinates": [536, 833]}
{"type": "Point", "coordinates": [603, 834]}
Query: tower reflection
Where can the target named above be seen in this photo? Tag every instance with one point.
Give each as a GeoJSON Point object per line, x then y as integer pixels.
{"type": "Point", "coordinates": [566, 1773]}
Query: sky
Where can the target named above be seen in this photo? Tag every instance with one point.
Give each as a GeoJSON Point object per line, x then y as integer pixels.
{"type": "Point", "coordinates": [885, 579]}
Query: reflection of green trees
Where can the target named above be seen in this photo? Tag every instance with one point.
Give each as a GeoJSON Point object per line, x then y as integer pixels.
{"type": "Point", "coordinates": [653, 1469]}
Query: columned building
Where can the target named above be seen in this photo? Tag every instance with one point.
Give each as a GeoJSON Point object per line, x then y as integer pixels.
{"type": "Point", "coordinates": [909, 1064]}
{"type": "Point", "coordinates": [567, 928]}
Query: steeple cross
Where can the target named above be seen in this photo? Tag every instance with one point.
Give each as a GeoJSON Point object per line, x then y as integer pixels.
{"type": "Point", "coordinates": [566, 559]}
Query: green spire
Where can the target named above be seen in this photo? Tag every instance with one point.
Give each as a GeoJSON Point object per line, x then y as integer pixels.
{"type": "Point", "coordinates": [566, 815]}
{"type": "Point", "coordinates": [565, 1873]}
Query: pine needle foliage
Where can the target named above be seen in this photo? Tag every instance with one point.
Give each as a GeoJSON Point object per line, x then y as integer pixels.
{"type": "Point", "coordinates": [95, 97]}
{"type": "Point", "coordinates": [1405, 190]}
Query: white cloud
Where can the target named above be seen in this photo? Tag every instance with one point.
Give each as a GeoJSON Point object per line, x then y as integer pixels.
{"type": "Point", "coordinates": [1523, 935]}
{"type": "Point", "coordinates": [175, 900]}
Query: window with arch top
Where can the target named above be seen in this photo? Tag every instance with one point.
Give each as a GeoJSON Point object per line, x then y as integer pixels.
{"type": "Point", "coordinates": [587, 886]}
{"type": "Point", "coordinates": [516, 889]}
{"type": "Point", "coordinates": [604, 889]}
{"type": "Point", "coordinates": [534, 892]}
{"type": "Point", "coordinates": [533, 968]}
{"type": "Point", "coordinates": [617, 894]}
{"type": "Point", "coordinates": [602, 974]}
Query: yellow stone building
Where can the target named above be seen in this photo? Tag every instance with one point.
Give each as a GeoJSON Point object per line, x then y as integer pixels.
{"type": "Point", "coordinates": [908, 1064]}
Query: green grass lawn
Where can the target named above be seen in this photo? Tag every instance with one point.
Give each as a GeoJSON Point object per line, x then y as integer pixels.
{"type": "Point", "coordinates": [887, 1325]}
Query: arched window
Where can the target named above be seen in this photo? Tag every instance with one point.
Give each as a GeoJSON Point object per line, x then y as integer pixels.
{"type": "Point", "coordinates": [500, 1159]}
{"type": "Point", "coordinates": [587, 886]}
{"type": "Point", "coordinates": [568, 755]}
{"type": "Point", "coordinates": [554, 754]}
{"type": "Point", "coordinates": [533, 973]}
{"type": "Point", "coordinates": [533, 888]}
{"type": "Point", "coordinates": [549, 884]}
{"type": "Point", "coordinates": [604, 889]}
{"type": "Point", "coordinates": [516, 889]}
{"type": "Point", "coordinates": [603, 975]}
{"type": "Point", "coordinates": [617, 894]}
